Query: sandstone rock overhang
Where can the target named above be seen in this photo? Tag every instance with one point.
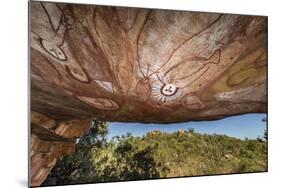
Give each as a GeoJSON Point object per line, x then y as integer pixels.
{"type": "Point", "coordinates": [142, 65]}
{"type": "Point", "coordinates": [137, 65]}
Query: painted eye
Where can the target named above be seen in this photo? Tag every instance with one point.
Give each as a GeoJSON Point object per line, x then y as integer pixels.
{"type": "Point", "coordinates": [74, 70]}
{"type": "Point", "coordinates": [77, 72]}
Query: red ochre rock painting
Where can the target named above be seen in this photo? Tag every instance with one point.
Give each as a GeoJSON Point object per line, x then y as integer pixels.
{"type": "Point", "coordinates": [158, 63]}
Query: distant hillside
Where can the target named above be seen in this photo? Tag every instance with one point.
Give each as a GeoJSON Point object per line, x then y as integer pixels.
{"type": "Point", "coordinates": [189, 154]}
{"type": "Point", "coordinates": [160, 155]}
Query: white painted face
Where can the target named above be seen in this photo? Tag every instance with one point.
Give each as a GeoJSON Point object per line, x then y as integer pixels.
{"type": "Point", "coordinates": [165, 92]}
{"type": "Point", "coordinates": [53, 50]}
{"type": "Point", "coordinates": [169, 89]}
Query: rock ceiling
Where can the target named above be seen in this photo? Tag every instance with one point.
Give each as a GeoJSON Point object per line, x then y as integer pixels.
{"type": "Point", "coordinates": [131, 64]}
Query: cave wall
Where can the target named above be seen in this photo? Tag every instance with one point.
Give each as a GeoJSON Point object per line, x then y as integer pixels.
{"type": "Point", "coordinates": [50, 140]}
{"type": "Point", "coordinates": [137, 65]}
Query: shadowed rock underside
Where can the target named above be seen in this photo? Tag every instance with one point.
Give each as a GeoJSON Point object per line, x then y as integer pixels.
{"type": "Point", "coordinates": [139, 65]}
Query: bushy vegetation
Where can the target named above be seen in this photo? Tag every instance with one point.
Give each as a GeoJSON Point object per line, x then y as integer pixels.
{"type": "Point", "coordinates": [156, 155]}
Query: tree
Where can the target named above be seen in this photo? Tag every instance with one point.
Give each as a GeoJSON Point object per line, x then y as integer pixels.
{"type": "Point", "coordinates": [134, 161]}
{"type": "Point", "coordinates": [78, 168]}
{"type": "Point", "coordinates": [96, 134]}
{"type": "Point", "coordinates": [265, 136]}
{"type": "Point", "coordinates": [191, 130]}
{"type": "Point", "coordinates": [95, 159]}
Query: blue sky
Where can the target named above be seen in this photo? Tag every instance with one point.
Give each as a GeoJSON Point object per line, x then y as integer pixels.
{"type": "Point", "coordinates": [248, 125]}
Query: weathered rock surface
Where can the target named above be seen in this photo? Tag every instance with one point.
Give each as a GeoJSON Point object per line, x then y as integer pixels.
{"type": "Point", "coordinates": [51, 140]}
{"type": "Point", "coordinates": [129, 64]}
{"type": "Point", "coordinates": [141, 65]}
